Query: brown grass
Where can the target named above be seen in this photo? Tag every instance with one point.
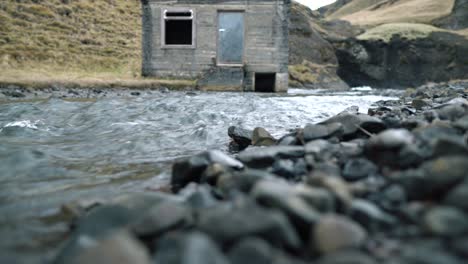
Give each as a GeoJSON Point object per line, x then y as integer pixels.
{"type": "Point", "coordinates": [364, 13]}
{"type": "Point", "coordinates": [83, 36]}
{"type": "Point", "coordinates": [45, 78]}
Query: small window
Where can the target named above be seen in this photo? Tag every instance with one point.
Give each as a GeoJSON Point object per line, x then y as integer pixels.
{"type": "Point", "coordinates": [178, 29]}
{"type": "Point", "coordinates": [265, 82]}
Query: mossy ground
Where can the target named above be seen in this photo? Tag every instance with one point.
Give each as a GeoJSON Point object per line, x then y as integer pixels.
{"type": "Point", "coordinates": [405, 30]}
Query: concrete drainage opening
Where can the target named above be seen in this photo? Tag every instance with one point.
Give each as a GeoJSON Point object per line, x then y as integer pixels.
{"type": "Point", "coordinates": [265, 82]}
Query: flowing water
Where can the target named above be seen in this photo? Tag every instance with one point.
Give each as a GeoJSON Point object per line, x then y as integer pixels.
{"type": "Point", "coordinates": [55, 151]}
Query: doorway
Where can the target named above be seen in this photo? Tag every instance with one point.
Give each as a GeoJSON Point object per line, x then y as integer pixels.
{"type": "Point", "coordinates": [230, 38]}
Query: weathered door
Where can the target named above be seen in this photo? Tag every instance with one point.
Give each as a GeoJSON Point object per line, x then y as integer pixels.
{"type": "Point", "coordinates": [230, 37]}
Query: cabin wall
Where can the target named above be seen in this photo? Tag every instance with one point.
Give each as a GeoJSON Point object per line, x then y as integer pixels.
{"type": "Point", "coordinates": [265, 47]}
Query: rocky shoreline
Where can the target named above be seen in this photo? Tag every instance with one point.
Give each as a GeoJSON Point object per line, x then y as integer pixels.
{"type": "Point", "coordinates": [386, 187]}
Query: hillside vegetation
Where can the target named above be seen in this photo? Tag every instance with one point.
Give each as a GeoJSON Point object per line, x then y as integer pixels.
{"type": "Point", "coordinates": [375, 12]}
{"type": "Point", "coordinates": [86, 37]}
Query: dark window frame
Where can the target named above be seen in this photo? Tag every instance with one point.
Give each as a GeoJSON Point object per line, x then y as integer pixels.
{"type": "Point", "coordinates": [183, 12]}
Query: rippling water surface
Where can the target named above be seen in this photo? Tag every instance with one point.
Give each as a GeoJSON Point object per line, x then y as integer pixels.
{"type": "Point", "coordinates": [55, 151]}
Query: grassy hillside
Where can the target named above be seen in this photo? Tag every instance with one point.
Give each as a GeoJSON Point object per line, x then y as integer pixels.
{"type": "Point", "coordinates": [376, 12]}
{"type": "Point", "coordinates": [83, 37]}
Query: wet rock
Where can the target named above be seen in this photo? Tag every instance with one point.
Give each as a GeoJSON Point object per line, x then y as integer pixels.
{"type": "Point", "coordinates": [394, 148]}
{"type": "Point", "coordinates": [449, 146]}
{"type": "Point", "coordinates": [280, 195]}
{"type": "Point", "coordinates": [135, 93]}
{"type": "Point", "coordinates": [369, 215]}
{"type": "Point", "coordinates": [334, 232]}
{"type": "Point", "coordinates": [392, 197]}
{"type": "Point", "coordinates": [313, 132]}
{"type": "Point", "coordinates": [190, 248]}
{"type": "Point", "coordinates": [242, 181]}
{"type": "Point", "coordinates": [288, 140]}
{"type": "Point", "coordinates": [201, 197]}
{"type": "Point", "coordinates": [284, 168]}
{"type": "Point", "coordinates": [458, 196]}
{"type": "Point", "coordinates": [191, 169]}
{"type": "Point", "coordinates": [258, 251]}
{"type": "Point", "coordinates": [261, 137]}
{"type": "Point", "coordinates": [265, 157]}
{"type": "Point", "coordinates": [434, 178]}
{"type": "Point", "coordinates": [242, 137]}
{"type": "Point", "coordinates": [339, 188]}
{"type": "Point", "coordinates": [98, 224]}
{"type": "Point", "coordinates": [161, 218]}
{"type": "Point", "coordinates": [452, 112]}
{"type": "Point", "coordinates": [421, 103]}
{"type": "Point", "coordinates": [228, 224]}
{"type": "Point", "coordinates": [356, 125]}
{"type": "Point", "coordinates": [460, 246]}
{"type": "Point", "coordinates": [119, 248]}
{"type": "Point", "coordinates": [357, 169]}
{"type": "Point", "coordinates": [425, 255]}
{"type": "Point", "coordinates": [251, 251]}
{"type": "Point", "coordinates": [346, 257]}
{"type": "Point", "coordinates": [319, 198]}
{"type": "Point", "coordinates": [319, 150]}
{"type": "Point", "coordinates": [462, 123]}
{"type": "Point", "coordinates": [14, 94]}
{"type": "Point", "coordinates": [446, 221]}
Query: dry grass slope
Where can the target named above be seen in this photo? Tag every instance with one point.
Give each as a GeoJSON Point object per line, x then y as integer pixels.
{"type": "Point", "coordinates": [376, 12]}
{"type": "Point", "coordinates": [87, 37]}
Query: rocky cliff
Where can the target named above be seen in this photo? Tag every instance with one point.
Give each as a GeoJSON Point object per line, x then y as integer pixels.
{"type": "Point", "coordinates": [405, 43]}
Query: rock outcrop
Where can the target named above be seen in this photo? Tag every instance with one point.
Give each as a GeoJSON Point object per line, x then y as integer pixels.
{"type": "Point", "coordinates": [401, 62]}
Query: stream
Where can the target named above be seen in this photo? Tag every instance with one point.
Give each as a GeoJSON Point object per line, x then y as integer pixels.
{"type": "Point", "coordinates": [56, 151]}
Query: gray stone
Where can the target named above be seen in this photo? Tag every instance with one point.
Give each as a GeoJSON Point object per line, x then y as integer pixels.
{"type": "Point", "coordinates": [449, 146]}
{"type": "Point", "coordinates": [242, 181]}
{"type": "Point", "coordinates": [280, 195]}
{"type": "Point", "coordinates": [446, 221]}
{"type": "Point", "coordinates": [460, 246]}
{"type": "Point", "coordinates": [98, 224]}
{"type": "Point", "coordinates": [161, 218]}
{"type": "Point", "coordinates": [251, 251]}
{"type": "Point", "coordinates": [258, 251]}
{"type": "Point", "coordinates": [230, 223]}
{"type": "Point", "coordinates": [423, 255]}
{"type": "Point", "coordinates": [191, 169]}
{"type": "Point", "coordinates": [188, 248]}
{"type": "Point", "coordinates": [394, 148]}
{"type": "Point", "coordinates": [313, 132]}
{"type": "Point", "coordinates": [240, 136]}
{"type": "Point", "coordinates": [337, 186]}
{"type": "Point", "coordinates": [284, 168]}
{"type": "Point", "coordinates": [462, 123]}
{"type": "Point", "coordinates": [346, 257]}
{"type": "Point", "coordinates": [354, 125]}
{"type": "Point", "coordinates": [458, 196]}
{"type": "Point", "coordinates": [288, 140]}
{"type": "Point", "coordinates": [357, 169]}
{"type": "Point", "coordinates": [334, 232]}
{"type": "Point", "coordinates": [369, 215]}
{"type": "Point", "coordinates": [119, 248]}
{"type": "Point", "coordinates": [265, 157]}
{"type": "Point", "coordinates": [452, 112]}
{"type": "Point", "coordinates": [261, 137]}
{"type": "Point", "coordinates": [434, 178]}
{"type": "Point", "coordinates": [201, 197]}
{"type": "Point", "coordinates": [421, 103]}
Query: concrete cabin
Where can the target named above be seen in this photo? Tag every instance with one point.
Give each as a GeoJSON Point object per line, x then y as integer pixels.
{"type": "Point", "coordinates": [225, 44]}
